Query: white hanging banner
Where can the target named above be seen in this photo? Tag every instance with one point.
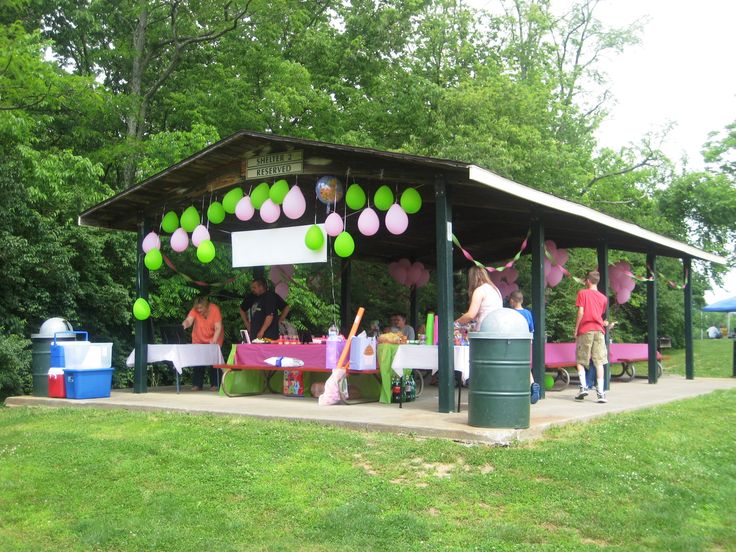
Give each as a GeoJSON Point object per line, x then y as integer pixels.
{"type": "Point", "coordinates": [277, 246]}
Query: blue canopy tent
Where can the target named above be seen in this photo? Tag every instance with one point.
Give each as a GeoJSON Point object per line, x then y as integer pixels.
{"type": "Point", "coordinates": [726, 305]}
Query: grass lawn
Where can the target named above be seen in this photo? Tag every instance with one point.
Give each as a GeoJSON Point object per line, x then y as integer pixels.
{"type": "Point", "coordinates": [85, 479]}
{"type": "Point", "coordinates": [713, 358]}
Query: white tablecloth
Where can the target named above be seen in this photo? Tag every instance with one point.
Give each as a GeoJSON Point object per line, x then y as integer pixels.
{"type": "Point", "coordinates": [182, 355]}
{"type": "Point", "coordinates": [424, 357]}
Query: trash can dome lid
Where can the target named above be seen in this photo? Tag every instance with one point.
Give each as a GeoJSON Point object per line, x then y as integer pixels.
{"type": "Point", "coordinates": [52, 326]}
{"type": "Point", "coordinates": [504, 324]}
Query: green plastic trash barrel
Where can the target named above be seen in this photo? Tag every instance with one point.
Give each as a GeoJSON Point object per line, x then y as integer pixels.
{"type": "Point", "coordinates": [500, 356]}
{"type": "Point", "coordinates": [41, 353]}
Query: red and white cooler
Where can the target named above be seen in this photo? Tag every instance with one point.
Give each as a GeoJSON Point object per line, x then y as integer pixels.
{"type": "Point", "coordinates": [56, 383]}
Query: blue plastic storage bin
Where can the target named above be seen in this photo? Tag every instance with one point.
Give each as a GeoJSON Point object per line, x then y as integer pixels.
{"type": "Point", "coordinates": [92, 383]}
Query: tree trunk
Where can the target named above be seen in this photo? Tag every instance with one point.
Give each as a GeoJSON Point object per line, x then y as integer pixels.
{"type": "Point", "coordinates": [136, 110]}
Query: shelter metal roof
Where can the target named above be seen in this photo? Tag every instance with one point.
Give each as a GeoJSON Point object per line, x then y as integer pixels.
{"type": "Point", "coordinates": [491, 214]}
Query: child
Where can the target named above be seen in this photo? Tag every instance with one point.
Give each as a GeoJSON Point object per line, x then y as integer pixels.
{"type": "Point", "coordinates": [516, 300]}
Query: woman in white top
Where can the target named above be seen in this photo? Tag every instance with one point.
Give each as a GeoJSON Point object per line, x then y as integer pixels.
{"type": "Point", "coordinates": [484, 297]}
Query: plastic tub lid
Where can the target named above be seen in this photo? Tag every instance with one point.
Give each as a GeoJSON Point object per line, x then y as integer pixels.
{"type": "Point", "coordinates": [503, 324]}
{"type": "Point", "coordinates": [52, 326]}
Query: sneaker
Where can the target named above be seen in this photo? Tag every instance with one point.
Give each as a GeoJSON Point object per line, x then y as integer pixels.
{"type": "Point", "coordinates": [601, 395]}
{"type": "Point", "coordinates": [195, 388]}
{"type": "Point", "coordinates": [535, 393]}
{"type": "Point", "coordinates": [214, 388]}
{"type": "Point", "coordinates": [581, 394]}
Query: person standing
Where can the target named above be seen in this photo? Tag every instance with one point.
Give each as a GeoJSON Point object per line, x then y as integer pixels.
{"type": "Point", "coordinates": [516, 301]}
{"type": "Point", "coordinates": [262, 311]}
{"type": "Point", "coordinates": [589, 334]}
{"type": "Point", "coordinates": [484, 297]}
{"type": "Point", "coordinates": [207, 321]}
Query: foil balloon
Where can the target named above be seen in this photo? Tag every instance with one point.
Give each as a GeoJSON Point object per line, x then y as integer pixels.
{"type": "Point", "coordinates": [328, 190]}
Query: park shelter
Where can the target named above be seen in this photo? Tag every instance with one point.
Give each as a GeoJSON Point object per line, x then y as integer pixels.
{"type": "Point", "coordinates": [490, 214]}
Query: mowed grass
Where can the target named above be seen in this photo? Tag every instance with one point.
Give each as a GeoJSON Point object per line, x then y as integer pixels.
{"type": "Point", "coordinates": [713, 358]}
{"type": "Point", "coordinates": [85, 479]}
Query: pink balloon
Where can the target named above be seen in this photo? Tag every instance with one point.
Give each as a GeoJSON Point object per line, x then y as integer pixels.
{"type": "Point", "coordinates": [333, 224]}
{"type": "Point", "coordinates": [423, 279]}
{"type": "Point", "coordinates": [282, 290]}
{"type": "Point", "coordinates": [404, 263]}
{"type": "Point", "coordinates": [270, 212]}
{"type": "Point", "coordinates": [561, 256]}
{"type": "Point", "coordinates": [555, 277]}
{"type": "Point", "coordinates": [244, 209]}
{"type": "Point", "coordinates": [495, 277]}
{"type": "Point", "coordinates": [628, 285]}
{"type": "Point", "coordinates": [510, 275]}
{"type": "Point", "coordinates": [294, 203]}
{"type": "Point", "coordinates": [401, 274]}
{"type": "Point", "coordinates": [179, 240]}
{"type": "Point", "coordinates": [396, 220]}
{"type": "Point", "coordinates": [551, 247]}
{"type": "Point", "coordinates": [368, 222]}
{"type": "Point", "coordinates": [415, 272]}
{"type": "Point", "coordinates": [280, 273]}
{"type": "Point", "coordinates": [623, 296]}
{"type": "Point", "coordinates": [392, 269]}
{"type": "Point", "coordinates": [512, 287]}
{"type": "Point", "coordinates": [199, 235]}
{"type": "Point", "coordinates": [151, 241]}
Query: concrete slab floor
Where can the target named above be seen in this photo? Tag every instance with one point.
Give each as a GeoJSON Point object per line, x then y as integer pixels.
{"type": "Point", "coordinates": [417, 418]}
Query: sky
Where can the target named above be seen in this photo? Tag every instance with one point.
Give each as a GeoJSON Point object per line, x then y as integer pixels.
{"type": "Point", "coordinates": [682, 73]}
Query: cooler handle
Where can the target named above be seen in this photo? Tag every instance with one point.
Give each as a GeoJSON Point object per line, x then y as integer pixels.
{"type": "Point", "coordinates": [70, 332]}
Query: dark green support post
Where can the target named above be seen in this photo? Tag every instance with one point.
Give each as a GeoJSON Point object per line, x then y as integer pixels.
{"type": "Point", "coordinates": [538, 308]}
{"type": "Point", "coordinates": [445, 307]}
{"type": "Point", "coordinates": [652, 316]}
{"type": "Point", "coordinates": [688, 300]}
{"type": "Point", "coordinates": [413, 305]}
{"type": "Point", "coordinates": [346, 320]}
{"type": "Point", "coordinates": [142, 337]}
{"type": "Point", "coordinates": [603, 288]}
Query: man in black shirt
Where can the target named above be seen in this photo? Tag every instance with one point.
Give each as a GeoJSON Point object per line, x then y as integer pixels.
{"type": "Point", "coordinates": [259, 311]}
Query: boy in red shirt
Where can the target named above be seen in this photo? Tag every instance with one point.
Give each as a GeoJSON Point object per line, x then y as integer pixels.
{"type": "Point", "coordinates": [590, 334]}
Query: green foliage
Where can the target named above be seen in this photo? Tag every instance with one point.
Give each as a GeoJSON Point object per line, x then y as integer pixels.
{"type": "Point", "coordinates": [15, 362]}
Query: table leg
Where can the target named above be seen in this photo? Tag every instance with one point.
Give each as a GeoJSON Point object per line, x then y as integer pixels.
{"type": "Point", "coordinates": [177, 381]}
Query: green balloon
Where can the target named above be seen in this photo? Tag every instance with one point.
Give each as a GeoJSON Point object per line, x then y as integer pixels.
{"type": "Point", "coordinates": [355, 197]}
{"type": "Point", "coordinates": [411, 201]}
{"type": "Point", "coordinates": [314, 239]}
{"type": "Point", "coordinates": [141, 309]}
{"type": "Point", "coordinates": [549, 382]}
{"type": "Point", "coordinates": [344, 244]}
{"type": "Point", "coordinates": [190, 218]}
{"type": "Point", "coordinates": [259, 194]}
{"type": "Point", "coordinates": [230, 201]}
{"type": "Point", "coordinates": [153, 259]}
{"type": "Point", "coordinates": [384, 198]}
{"type": "Point", "coordinates": [206, 251]}
{"type": "Point", "coordinates": [216, 212]}
{"type": "Point", "coordinates": [170, 222]}
{"type": "Point", "coordinates": [278, 191]}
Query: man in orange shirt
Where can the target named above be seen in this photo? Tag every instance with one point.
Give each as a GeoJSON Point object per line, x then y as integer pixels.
{"type": "Point", "coordinates": [207, 321]}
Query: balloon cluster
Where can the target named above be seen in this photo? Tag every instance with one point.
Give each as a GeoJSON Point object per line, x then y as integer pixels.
{"type": "Point", "coordinates": [621, 282]}
{"type": "Point", "coordinates": [269, 200]}
{"type": "Point", "coordinates": [408, 274]}
{"type": "Point", "coordinates": [280, 275]}
{"type": "Point", "coordinates": [179, 228]}
{"type": "Point", "coordinates": [505, 281]}
{"type": "Point", "coordinates": [329, 190]}
{"type": "Point", "coordinates": [554, 269]}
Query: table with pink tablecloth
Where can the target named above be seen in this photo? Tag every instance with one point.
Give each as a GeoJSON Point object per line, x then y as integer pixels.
{"type": "Point", "coordinates": [312, 354]}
